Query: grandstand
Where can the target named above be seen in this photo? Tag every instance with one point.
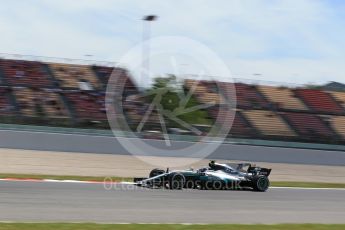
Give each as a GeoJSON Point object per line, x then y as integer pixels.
{"type": "Point", "coordinates": [73, 95]}
{"type": "Point", "coordinates": [269, 123]}
{"type": "Point", "coordinates": [75, 76]}
{"type": "Point", "coordinates": [249, 97]}
{"type": "Point", "coordinates": [55, 93]}
{"type": "Point", "coordinates": [242, 127]}
{"type": "Point", "coordinates": [205, 91]}
{"type": "Point", "coordinates": [319, 101]}
{"type": "Point", "coordinates": [282, 98]}
{"type": "Point", "coordinates": [338, 124]}
{"type": "Point", "coordinates": [339, 98]}
{"type": "Point", "coordinates": [6, 107]}
{"type": "Point", "coordinates": [24, 73]}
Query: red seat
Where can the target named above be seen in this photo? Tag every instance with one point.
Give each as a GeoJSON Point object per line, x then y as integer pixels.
{"type": "Point", "coordinates": [240, 126]}
{"type": "Point", "coordinates": [319, 101]}
{"type": "Point", "coordinates": [25, 73]}
{"type": "Point", "coordinates": [87, 105]}
{"type": "Point", "coordinates": [309, 126]}
{"type": "Point", "coordinates": [247, 96]}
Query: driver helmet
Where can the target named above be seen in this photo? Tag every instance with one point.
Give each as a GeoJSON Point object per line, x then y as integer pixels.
{"type": "Point", "coordinates": [212, 164]}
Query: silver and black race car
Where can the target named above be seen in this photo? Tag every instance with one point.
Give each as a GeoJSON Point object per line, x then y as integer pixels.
{"type": "Point", "coordinates": [215, 176]}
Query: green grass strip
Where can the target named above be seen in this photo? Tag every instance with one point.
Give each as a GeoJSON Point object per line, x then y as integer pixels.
{"type": "Point", "coordinates": [307, 184]}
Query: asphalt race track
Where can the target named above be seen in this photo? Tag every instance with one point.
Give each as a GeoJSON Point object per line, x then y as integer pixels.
{"type": "Point", "coordinates": [75, 202]}
{"type": "Point", "coordinates": [104, 144]}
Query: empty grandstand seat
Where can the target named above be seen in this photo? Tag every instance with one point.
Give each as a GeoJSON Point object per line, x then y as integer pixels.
{"type": "Point", "coordinates": [25, 101]}
{"type": "Point", "coordinates": [124, 80]}
{"type": "Point", "coordinates": [319, 101]}
{"type": "Point", "coordinates": [74, 76]}
{"type": "Point", "coordinates": [103, 72]}
{"type": "Point", "coordinates": [6, 107]}
{"type": "Point", "coordinates": [25, 73]}
{"type": "Point", "coordinates": [339, 97]}
{"type": "Point", "coordinates": [205, 91]}
{"type": "Point", "coordinates": [247, 96]}
{"type": "Point", "coordinates": [269, 123]}
{"type": "Point", "coordinates": [31, 102]}
{"type": "Point", "coordinates": [309, 126]}
{"type": "Point", "coordinates": [241, 127]}
{"type": "Point", "coordinates": [282, 97]}
{"type": "Point", "coordinates": [52, 103]}
{"type": "Point", "coordinates": [87, 105]}
{"type": "Point", "coordinates": [338, 124]}
{"type": "Point", "coordinates": [136, 110]}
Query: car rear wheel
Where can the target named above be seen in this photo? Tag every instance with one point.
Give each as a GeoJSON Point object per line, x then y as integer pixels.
{"type": "Point", "coordinates": [261, 183]}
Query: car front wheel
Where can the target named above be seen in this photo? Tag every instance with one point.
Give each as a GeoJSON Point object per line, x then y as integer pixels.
{"type": "Point", "coordinates": [176, 181]}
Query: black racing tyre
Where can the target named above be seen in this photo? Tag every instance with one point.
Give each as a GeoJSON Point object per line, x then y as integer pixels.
{"type": "Point", "coordinates": [156, 172]}
{"type": "Point", "coordinates": [203, 185]}
{"type": "Point", "coordinates": [261, 183]}
{"type": "Point", "coordinates": [176, 181]}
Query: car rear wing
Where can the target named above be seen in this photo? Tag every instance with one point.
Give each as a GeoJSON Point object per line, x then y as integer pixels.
{"type": "Point", "coordinates": [259, 171]}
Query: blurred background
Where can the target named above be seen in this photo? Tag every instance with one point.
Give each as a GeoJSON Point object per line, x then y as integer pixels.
{"type": "Point", "coordinates": [285, 58]}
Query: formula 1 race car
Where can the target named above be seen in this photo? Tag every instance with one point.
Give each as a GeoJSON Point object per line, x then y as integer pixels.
{"type": "Point", "coordinates": [216, 176]}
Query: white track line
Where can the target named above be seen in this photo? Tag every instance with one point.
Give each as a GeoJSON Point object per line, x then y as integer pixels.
{"type": "Point", "coordinates": [132, 183]}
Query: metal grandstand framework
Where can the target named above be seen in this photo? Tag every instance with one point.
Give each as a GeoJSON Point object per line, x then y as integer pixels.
{"type": "Point", "coordinates": [46, 59]}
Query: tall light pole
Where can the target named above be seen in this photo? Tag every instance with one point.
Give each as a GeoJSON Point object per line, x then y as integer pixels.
{"type": "Point", "coordinates": [146, 46]}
